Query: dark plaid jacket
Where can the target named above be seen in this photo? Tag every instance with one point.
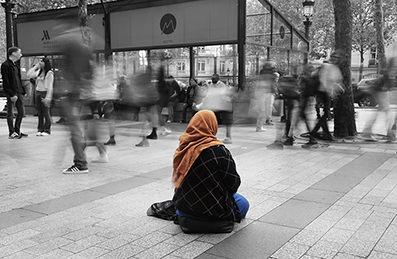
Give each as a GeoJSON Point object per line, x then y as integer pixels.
{"type": "Point", "coordinates": [208, 188]}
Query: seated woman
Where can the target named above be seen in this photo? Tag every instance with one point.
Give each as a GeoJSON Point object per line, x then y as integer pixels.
{"type": "Point", "coordinates": [205, 176]}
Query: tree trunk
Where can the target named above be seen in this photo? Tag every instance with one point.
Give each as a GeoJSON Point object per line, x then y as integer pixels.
{"type": "Point", "coordinates": [83, 17]}
{"type": "Point", "coordinates": [382, 63]}
{"type": "Point", "coordinates": [344, 117]}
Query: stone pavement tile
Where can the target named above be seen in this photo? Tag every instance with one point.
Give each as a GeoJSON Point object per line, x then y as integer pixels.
{"type": "Point", "coordinates": [258, 211]}
{"type": "Point", "coordinates": [192, 250]}
{"type": "Point", "coordinates": [33, 224]}
{"type": "Point", "coordinates": [122, 185]}
{"type": "Point", "coordinates": [295, 213]}
{"type": "Point", "coordinates": [65, 202]}
{"type": "Point", "coordinates": [358, 247]}
{"type": "Point", "coordinates": [336, 235]}
{"type": "Point", "coordinates": [172, 229]}
{"type": "Point", "coordinates": [16, 216]}
{"type": "Point", "coordinates": [258, 239]}
{"type": "Point", "coordinates": [202, 256]}
{"type": "Point", "coordinates": [337, 183]}
{"type": "Point", "coordinates": [25, 234]}
{"type": "Point", "coordinates": [16, 247]}
{"type": "Point", "coordinates": [56, 253]}
{"type": "Point", "coordinates": [307, 237]}
{"type": "Point", "coordinates": [348, 223]}
{"type": "Point", "coordinates": [321, 225]}
{"type": "Point", "coordinates": [46, 247]}
{"type": "Point", "coordinates": [290, 250]}
{"type": "Point", "coordinates": [83, 244]}
{"type": "Point", "coordinates": [214, 238]}
{"type": "Point", "coordinates": [309, 257]}
{"type": "Point", "coordinates": [117, 241]}
{"type": "Point", "coordinates": [381, 255]}
{"type": "Point", "coordinates": [82, 233]}
{"type": "Point", "coordinates": [334, 213]}
{"type": "Point", "coordinates": [20, 255]}
{"type": "Point", "coordinates": [324, 249]}
{"type": "Point", "coordinates": [346, 256]}
{"type": "Point", "coordinates": [157, 251]}
{"type": "Point", "coordinates": [320, 196]}
{"type": "Point", "coordinates": [90, 253]}
{"type": "Point", "coordinates": [152, 239]}
{"type": "Point", "coordinates": [388, 242]}
{"type": "Point", "coordinates": [182, 239]}
{"type": "Point", "coordinates": [124, 252]}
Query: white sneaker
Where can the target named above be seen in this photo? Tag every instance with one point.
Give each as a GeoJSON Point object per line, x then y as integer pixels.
{"type": "Point", "coordinates": [165, 131]}
{"type": "Point", "coordinates": [39, 134]}
{"type": "Point", "coordinates": [44, 134]}
{"type": "Point", "coordinates": [228, 141]}
{"type": "Point", "coordinates": [101, 159]}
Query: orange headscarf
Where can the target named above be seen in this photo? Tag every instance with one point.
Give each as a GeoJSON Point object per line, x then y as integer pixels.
{"type": "Point", "coordinates": [200, 134]}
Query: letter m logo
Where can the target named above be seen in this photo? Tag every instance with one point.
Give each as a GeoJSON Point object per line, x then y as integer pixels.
{"type": "Point", "coordinates": [46, 35]}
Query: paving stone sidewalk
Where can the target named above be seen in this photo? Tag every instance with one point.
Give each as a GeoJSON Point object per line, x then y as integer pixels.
{"type": "Point", "coordinates": [333, 202]}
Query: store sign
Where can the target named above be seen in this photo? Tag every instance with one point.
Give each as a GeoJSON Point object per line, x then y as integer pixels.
{"type": "Point", "coordinates": [194, 22]}
{"type": "Point", "coordinates": [41, 37]}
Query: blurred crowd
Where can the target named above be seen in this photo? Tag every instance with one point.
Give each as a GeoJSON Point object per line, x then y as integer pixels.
{"type": "Point", "coordinates": [95, 93]}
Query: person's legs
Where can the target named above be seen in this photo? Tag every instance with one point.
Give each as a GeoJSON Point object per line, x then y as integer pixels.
{"type": "Point", "coordinates": [73, 110]}
{"type": "Point", "coordinates": [153, 114]}
{"type": "Point", "coordinates": [21, 113]}
{"type": "Point", "coordinates": [269, 100]}
{"type": "Point", "coordinates": [10, 116]}
{"type": "Point", "coordinates": [242, 203]}
{"type": "Point", "coordinates": [47, 119]}
{"type": "Point", "coordinates": [39, 108]}
{"type": "Point", "coordinates": [261, 119]}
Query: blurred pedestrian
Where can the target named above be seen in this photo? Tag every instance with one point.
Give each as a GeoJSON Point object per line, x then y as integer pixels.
{"type": "Point", "coordinates": [189, 100]}
{"type": "Point", "coordinates": [220, 100]}
{"type": "Point", "coordinates": [164, 95]}
{"type": "Point", "coordinates": [381, 89]}
{"type": "Point", "coordinates": [109, 109]}
{"type": "Point", "coordinates": [174, 92]}
{"type": "Point", "coordinates": [330, 78]}
{"type": "Point", "coordinates": [79, 72]}
{"type": "Point", "coordinates": [265, 93]}
{"type": "Point", "coordinates": [43, 76]}
{"type": "Point", "coordinates": [14, 91]}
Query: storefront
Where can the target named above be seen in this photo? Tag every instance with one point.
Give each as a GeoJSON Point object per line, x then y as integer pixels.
{"type": "Point", "coordinates": [197, 38]}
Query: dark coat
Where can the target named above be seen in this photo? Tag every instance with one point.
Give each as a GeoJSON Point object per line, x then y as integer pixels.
{"type": "Point", "coordinates": [12, 82]}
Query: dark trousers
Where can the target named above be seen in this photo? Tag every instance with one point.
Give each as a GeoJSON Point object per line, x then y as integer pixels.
{"type": "Point", "coordinates": [322, 122]}
{"type": "Point", "coordinates": [185, 107]}
{"type": "Point", "coordinates": [43, 113]}
{"type": "Point", "coordinates": [72, 108]}
{"type": "Point", "coordinates": [18, 104]}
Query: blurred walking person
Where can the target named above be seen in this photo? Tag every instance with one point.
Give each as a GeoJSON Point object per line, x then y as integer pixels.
{"type": "Point", "coordinates": [44, 78]}
{"type": "Point", "coordinates": [381, 90]}
{"type": "Point", "coordinates": [330, 78]}
{"type": "Point", "coordinates": [265, 95]}
{"type": "Point", "coordinates": [189, 98]}
{"type": "Point", "coordinates": [78, 74]}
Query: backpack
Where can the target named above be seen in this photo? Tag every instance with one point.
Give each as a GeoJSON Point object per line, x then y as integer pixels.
{"type": "Point", "coordinates": [288, 87]}
{"type": "Point", "coordinates": [311, 84]}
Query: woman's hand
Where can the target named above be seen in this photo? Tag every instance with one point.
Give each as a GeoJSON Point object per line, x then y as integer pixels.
{"type": "Point", "coordinates": [46, 102]}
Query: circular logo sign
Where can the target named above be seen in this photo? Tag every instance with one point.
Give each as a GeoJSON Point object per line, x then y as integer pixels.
{"type": "Point", "coordinates": [168, 24]}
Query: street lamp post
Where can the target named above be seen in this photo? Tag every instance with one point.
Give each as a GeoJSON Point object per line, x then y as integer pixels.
{"type": "Point", "coordinates": [8, 5]}
{"type": "Point", "coordinates": [308, 9]}
{"type": "Point", "coordinates": [308, 13]}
